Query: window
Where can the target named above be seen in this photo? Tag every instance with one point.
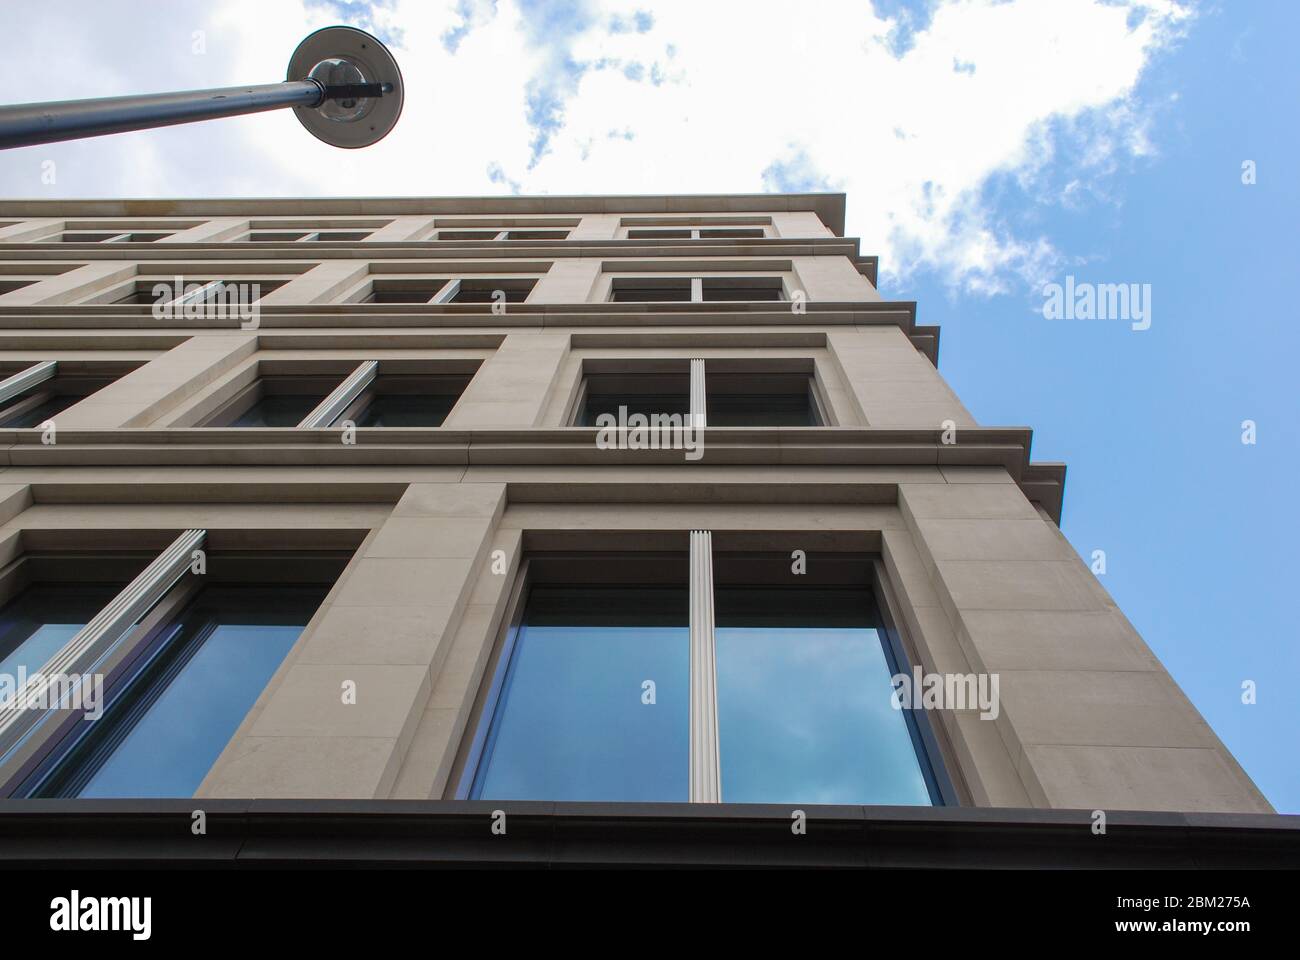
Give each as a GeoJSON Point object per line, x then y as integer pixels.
{"type": "Point", "coordinates": [466, 290]}
{"type": "Point", "coordinates": [695, 289]}
{"type": "Point", "coordinates": [278, 400]}
{"type": "Point", "coordinates": [487, 290]}
{"type": "Point", "coordinates": [651, 290]}
{"type": "Point", "coordinates": [771, 399]}
{"type": "Point", "coordinates": [42, 617]}
{"type": "Point", "coordinates": [696, 233]}
{"type": "Point", "coordinates": [306, 236]}
{"type": "Point", "coordinates": [737, 393]}
{"type": "Point", "coordinates": [804, 699]}
{"type": "Point", "coordinates": [172, 720]}
{"type": "Point", "coordinates": [645, 391]}
{"type": "Point", "coordinates": [654, 234]}
{"type": "Point", "coordinates": [31, 395]}
{"type": "Point", "coordinates": [374, 394]}
{"type": "Point", "coordinates": [210, 292]}
{"type": "Point", "coordinates": [571, 723]}
{"type": "Point", "coordinates": [742, 288]}
{"type": "Point", "coordinates": [732, 233]}
{"type": "Point", "coordinates": [114, 236]}
{"type": "Point", "coordinates": [590, 698]}
{"type": "Point", "coordinates": [493, 233]}
{"type": "Point", "coordinates": [178, 676]}
{"type": "Point", "coordinates": [406, 400]}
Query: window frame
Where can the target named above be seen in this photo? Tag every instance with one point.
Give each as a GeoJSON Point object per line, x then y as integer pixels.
{"type": "Point", "coordinates": [55, 736]}
{"type": "Point", "coordinates": [935, 757]}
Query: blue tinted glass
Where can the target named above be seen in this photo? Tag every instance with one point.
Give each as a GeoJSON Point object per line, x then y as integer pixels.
{"type": "Point", "coordinates": [41, 619]}
{"type": "Point", "coordinates": [161, 738]}
{"type": "Point", "coordinates": [570, 723]}
{"type": "Point", "coordinates": [805, 710]}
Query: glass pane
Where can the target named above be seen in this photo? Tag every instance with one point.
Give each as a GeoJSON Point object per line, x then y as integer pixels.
{"type": "Point", "coordinates": [407, 410]}
{"type": "Point", "coordinates": [278, 410]}
{"type": "Point", "coordinates": [761, 410]}
{"type": "Point", "coordinates": [41, 412]}
{"type": "Point", "coordinates": [805, 711]}
{"type": "Point", "coordinates": [570, 723]}
{"type": "Point", "coordinates": [45, 616]}
{"type": "Point", "coordinates": [161, 738]}
{"type": "Point", "coordinates": [647, 404]}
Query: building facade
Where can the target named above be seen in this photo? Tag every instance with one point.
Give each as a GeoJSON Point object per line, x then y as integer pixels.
{"type": "Point", "coordinates": [618, 500]}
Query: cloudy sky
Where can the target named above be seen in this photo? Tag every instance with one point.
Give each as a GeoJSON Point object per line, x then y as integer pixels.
{"type": "Point", "coordinates": [986, 147]}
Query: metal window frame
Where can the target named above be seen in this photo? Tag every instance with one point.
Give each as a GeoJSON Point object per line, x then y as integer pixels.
{"type": "Point", "coordinates": [939, 766]}
{"type": "Point", "coordinates": [342, 396]}
{"type": "Point", "coordinates": [24, 380]}
{"type": "Point", "coordinates": [97, 639]}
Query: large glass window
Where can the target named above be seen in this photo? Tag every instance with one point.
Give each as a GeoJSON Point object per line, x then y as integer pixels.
{"type": "Point", "coordinates": [164, 731]}
{"type": "Point", "coordinates": [805, 710]}
{"type": "Point", "coordinates": [803, 695]}
{"type": "Point", "coordinates": [47, 398]}
{"type": "Point", "coordinates": [148, 698]}
{"type": "Point", "coordinates": [403, 398]}
{"type": "Point", "coordinates": [573, 721]}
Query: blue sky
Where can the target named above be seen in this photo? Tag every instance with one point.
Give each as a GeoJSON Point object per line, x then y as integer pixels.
{"type": "Point", "coordinates": [986, 147]}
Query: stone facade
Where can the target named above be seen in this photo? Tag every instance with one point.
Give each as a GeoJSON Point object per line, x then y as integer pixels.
{"type": "Point", "coordinates": [963, 523]}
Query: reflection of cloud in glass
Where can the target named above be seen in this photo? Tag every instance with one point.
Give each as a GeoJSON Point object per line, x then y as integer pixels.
{"type": "Point", "coordinates": [572, 726]}
{"type": "Point", "coordinates": [804, 716]}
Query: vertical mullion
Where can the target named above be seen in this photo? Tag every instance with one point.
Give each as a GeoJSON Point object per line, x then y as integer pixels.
{"type": "Point", "coordinates": [706, 770]}
{"type": "Point", "coordinates": [698, 395]}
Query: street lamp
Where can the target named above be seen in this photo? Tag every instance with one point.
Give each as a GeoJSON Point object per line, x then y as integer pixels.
{"type": "Point", "coordinates": [343, 84]}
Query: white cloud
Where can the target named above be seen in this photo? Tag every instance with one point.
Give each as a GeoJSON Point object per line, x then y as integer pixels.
{"type": "Point", "coordinates": [695, 97]}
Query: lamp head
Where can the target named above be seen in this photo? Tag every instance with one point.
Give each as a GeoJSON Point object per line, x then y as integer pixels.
{"type": "Point", "coordinates": [346, 56]}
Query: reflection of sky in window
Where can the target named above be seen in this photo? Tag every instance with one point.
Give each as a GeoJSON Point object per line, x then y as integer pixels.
{"type": "Point", "coordinates": [571, 724]}
{"type": "Point", "coordinates": [174, 744]}
{"type": "Point", "coordinates": [805, 716]}
{"type": "Point", "coordinates": [37, 624]}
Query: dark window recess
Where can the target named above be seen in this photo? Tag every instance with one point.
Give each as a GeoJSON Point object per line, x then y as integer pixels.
{"type": "Point", "coordinates": [275, 401]}
{"type": "Point", "coordinates": [761, 400]}
{"type": "Point", "coordinates": [651, 290]}
{"type": "Point", "coordinates": [9, 286]}
{"type": "Point", "coordinates": [732, 233]}
{"type": "Point", "coordinates": [310, 236]}
{"type": "Point", "coordinates": [404, 291]}
{"type": "Point", "coordinates": [467, 234]}
{"type": "Point", "coordinates": [46, 400]}
{"type": "Point", "coordinates": [639, 234]}
{"type": "Point", "coordinates": [406, 400]}
{"type": "Point", "coordinates": [341, 235]}
{"type": "Point", "coordinates": [644, 393]}
{"type": "Point", "coordinates": [142, 292]}
{"type": "Point", "coordinates": [117, 236]}
{"type": "Point", "coordinates": [537, 235]}
{"type": "Point", "coordinates": [742, 288]}
{"type": "Point", "coordinates": [484, 290]}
